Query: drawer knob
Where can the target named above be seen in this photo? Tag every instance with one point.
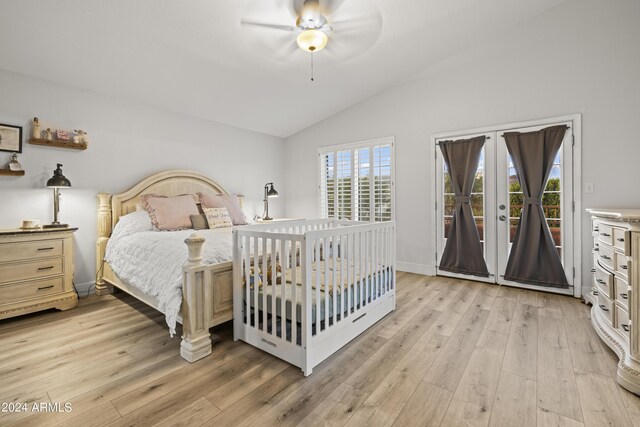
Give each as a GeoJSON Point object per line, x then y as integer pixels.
{"type": "Point", "coordinates": [45, 268]}
{"type": "Point", "coordinates": [605, 257]}
{"type": "Point", "coordinates": [605, 234]}
{"type": "Point", "coordinates": [602, 282]}
{"type": "Point", "coordinates": [46, 249]}
{"type": "Point", "coordinates": [593, 270]}
{"type": "Point", "coordinates": [45, 287]}
{"type": "Point", "coordinates": [624, 267]}
{"type": "Point", "coordinates": [596, 229]}
{"type": "Point", "coordinates": [596, 293]}
{"type": "Point", "coordinates": [624, 296]}
{"type": "Point", "coordinates": [603, 308]}
{"type": "Point", "coordinates": [620, 239]}
{"type": "Point", "coordinates": [625, 327]}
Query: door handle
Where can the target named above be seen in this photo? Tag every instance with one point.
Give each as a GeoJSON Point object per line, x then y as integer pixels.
{"type": "Point", "coordinates": [502, 218]}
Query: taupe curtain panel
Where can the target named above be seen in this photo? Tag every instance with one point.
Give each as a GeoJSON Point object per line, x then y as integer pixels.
{"type": "Point", "coordinates": [534, 258]}
{"type": "Point", "coordinates": [463, 251]}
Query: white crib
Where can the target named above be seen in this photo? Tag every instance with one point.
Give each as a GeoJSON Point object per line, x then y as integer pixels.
{"type": "Point", "coordinates": [331, 279]}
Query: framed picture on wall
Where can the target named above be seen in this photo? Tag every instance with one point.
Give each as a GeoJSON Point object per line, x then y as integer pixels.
{"type": "Point", "coordinates": [11, 138]}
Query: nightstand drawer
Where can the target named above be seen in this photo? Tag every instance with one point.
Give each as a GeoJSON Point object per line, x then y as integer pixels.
{"type": "Point", "coordinates": [30, 289]}
{"type": "Point", "coordinates": [30, 250]}
{"type": "Point", "coordinates": [31, 270]}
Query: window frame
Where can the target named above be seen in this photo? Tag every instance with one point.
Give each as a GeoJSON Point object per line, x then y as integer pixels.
{"type": "Point", "coordinates": [353, 147]}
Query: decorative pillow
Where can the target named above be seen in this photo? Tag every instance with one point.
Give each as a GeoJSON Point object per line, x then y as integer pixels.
{"type": "Point", "coordinates": [133, 222]}
{"type": "Point", "coordinates": [218, 218]}
{"type": "Point", "coordinates": [170, 213]}
{"type": "Point", "coordinates": [229, 201]}
{"type": "Point", "coordinates": [199, 222]}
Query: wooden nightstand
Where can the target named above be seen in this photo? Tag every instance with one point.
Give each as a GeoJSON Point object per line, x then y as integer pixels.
{"type": "Point", "coordinates": [36, 271]}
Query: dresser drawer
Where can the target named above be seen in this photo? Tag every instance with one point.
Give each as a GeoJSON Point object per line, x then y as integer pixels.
{"type": "Point", "coordinates": [622, 321]}
{"type": "Point", "coordinates": [619, 238]}
{"type": "Point", "coordinates": [621, 265]}
{"type": "Point", "coordinates": [605, 305]}
{"type": "Point", "coordinates": [621, 292]}
{"type": "Point", "coordinates": [605, 234]}
{"type": "Point", "coordinates": [30, 250]}
{"type": "Point", "coordinates": [30, 289]}
{"type": "Point", "coordinates": [605, 256]}
{"type": "Point", "coordinates": [31, 270]}
{"type": "Point", "coordinates": [604, 281]}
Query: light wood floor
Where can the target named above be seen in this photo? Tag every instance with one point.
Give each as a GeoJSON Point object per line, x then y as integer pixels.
{"type": "Point", "coordinates": [453, 353]}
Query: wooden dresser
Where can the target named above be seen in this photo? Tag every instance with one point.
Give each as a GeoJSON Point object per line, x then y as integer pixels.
{"type": "Point", "coordinates": [616, 288]}
{"type": "Point", "coordinates": [36, 271]}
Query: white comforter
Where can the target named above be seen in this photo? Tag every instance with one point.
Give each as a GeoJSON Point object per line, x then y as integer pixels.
{"type": "Point", "coordinates": [152, 261]}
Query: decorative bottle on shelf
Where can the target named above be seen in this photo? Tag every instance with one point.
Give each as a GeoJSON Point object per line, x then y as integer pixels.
{"type": "Point", "coordinates": [14, 164]}
{"type": "Point", "coordinates": [36, 129]}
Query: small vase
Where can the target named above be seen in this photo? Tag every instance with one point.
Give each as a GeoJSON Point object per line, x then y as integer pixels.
{"type": "Point", "coordinates": [14, 164]}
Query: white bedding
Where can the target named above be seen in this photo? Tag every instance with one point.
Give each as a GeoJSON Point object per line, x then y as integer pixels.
{"type": "Point", "coordinates": [152, 261]}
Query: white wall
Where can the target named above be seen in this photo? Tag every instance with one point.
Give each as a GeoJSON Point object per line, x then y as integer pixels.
{"type": "Point", "coordinates": [581, 57]}
{"type": "Point", "coordinates": [129, 142]}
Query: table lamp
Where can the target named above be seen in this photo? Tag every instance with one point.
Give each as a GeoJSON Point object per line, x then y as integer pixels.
{"type": "Point", "coordinates": [269, 191]}
{"type": "Point", "coordinates": [57, 181]}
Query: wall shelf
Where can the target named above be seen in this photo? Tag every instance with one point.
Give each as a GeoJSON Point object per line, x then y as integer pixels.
{"type": "Point", "coordinates": [8, 172]}
{"type": "Point", "coordinates": [58, 144]}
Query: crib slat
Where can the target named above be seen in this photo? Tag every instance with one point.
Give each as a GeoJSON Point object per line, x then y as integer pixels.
{"type": "Point", "coordinates": [334, 252]}
{"type": "Point", "coordinates": [274, 280]}
{"type": "Point", "coordinates": [350, 274]}
{"type": "Point", "coordinates": [256, 284]}
{"type": "Point", "coordinates": [265, 285]}
{"type": "Point", "coordinates": [284, 259]}
{"type": "Point", "coordinates": [316, 257]}
{"type": "Point", "coordinates": [247, 278]}
{"type": "Point", "coordinates": [294, 295]}
{"type": "Point", "coordinates": [325, 262]}
{"type": "Point", "coordinates": [343, 296]}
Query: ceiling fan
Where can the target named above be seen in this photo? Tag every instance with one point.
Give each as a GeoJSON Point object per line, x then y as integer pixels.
{"type": "Point", "coordinates": [345, 28]}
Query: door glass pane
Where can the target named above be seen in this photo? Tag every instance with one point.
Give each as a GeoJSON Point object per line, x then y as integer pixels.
{"type": "Point", "coordinates": [551, 201]}
{"type": "Point", "coordinates": [477, 199]}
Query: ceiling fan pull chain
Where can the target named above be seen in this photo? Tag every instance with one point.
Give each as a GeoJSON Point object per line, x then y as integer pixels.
{"type": "Point", "coordinates": [312, 66]}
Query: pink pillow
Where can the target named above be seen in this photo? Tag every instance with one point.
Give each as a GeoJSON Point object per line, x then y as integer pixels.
{"type": "Point", "coordinates": [170, 213]}
{"type": "Point", "coordinates": [229, 201]}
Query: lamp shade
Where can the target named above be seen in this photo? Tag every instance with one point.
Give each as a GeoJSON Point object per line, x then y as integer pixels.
{"type": "Point", "coordinates": [272, 192]}
{"type": "Point", "coordinates": [312, 40]}
{"type": "Point", "coordinates": [58, 179]}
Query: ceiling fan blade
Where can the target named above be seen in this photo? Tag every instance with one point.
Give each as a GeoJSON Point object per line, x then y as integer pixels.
{"type": "Point", "coordinates": [269, 26]}
{"type": "Point", "coordinates": [286, 51]}
{"type": "Point", "coordinates": [330, 6]}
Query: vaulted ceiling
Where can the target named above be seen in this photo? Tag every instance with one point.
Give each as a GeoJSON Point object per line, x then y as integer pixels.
{"type": "Point", "coordinates": [194, 57]}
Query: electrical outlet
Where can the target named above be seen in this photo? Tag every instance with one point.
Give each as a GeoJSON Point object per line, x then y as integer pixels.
{"type": "Point", "coordinates": [588, 187]}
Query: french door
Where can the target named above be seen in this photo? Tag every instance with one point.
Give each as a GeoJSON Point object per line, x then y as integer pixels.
{"type": "Point", "coordinates": [497, 202]}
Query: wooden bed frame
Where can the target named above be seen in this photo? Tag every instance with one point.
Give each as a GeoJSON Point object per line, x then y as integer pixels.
{"type": "Point", "coordinates": [207, 289]}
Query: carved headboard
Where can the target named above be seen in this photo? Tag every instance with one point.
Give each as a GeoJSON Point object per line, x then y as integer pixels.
{"type": "Point", "coordinates": [168, 183]}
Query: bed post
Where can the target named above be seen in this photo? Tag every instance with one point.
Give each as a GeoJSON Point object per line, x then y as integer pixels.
{"type": "Point", "coordinates": [197, 300]}
{"type": "Point", "coordinates": [104, 232]}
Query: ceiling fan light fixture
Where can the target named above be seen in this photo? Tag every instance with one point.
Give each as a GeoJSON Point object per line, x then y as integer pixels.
{"type": "Point", "coordinates": [312, 40]}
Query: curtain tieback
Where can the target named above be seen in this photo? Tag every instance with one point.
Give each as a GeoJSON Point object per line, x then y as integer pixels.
{"type": "Point", "coordinates": [532, 201]}
{"type": "Point", "coordinates": [463, 199]}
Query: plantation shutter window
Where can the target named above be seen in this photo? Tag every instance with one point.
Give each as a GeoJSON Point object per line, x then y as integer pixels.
{"type": "Point", "coordinates": [356, 181]}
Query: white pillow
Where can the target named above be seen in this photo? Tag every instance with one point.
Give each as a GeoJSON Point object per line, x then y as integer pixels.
{"type": "Point", "coordinates": [135, 222]}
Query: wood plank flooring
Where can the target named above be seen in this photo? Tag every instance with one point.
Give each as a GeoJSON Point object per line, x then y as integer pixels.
{"type": "Point", "coordinates": [453, 353]}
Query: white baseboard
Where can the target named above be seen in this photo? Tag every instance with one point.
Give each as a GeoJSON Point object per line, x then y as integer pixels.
{"type": "Point", "coordinates": [85, 289]}
{"type": "Point", "coordinates": [410, 267]}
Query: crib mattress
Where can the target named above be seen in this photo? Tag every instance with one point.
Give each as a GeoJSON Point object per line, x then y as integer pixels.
{"type": "Point", "coordinates": [352, 292]}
